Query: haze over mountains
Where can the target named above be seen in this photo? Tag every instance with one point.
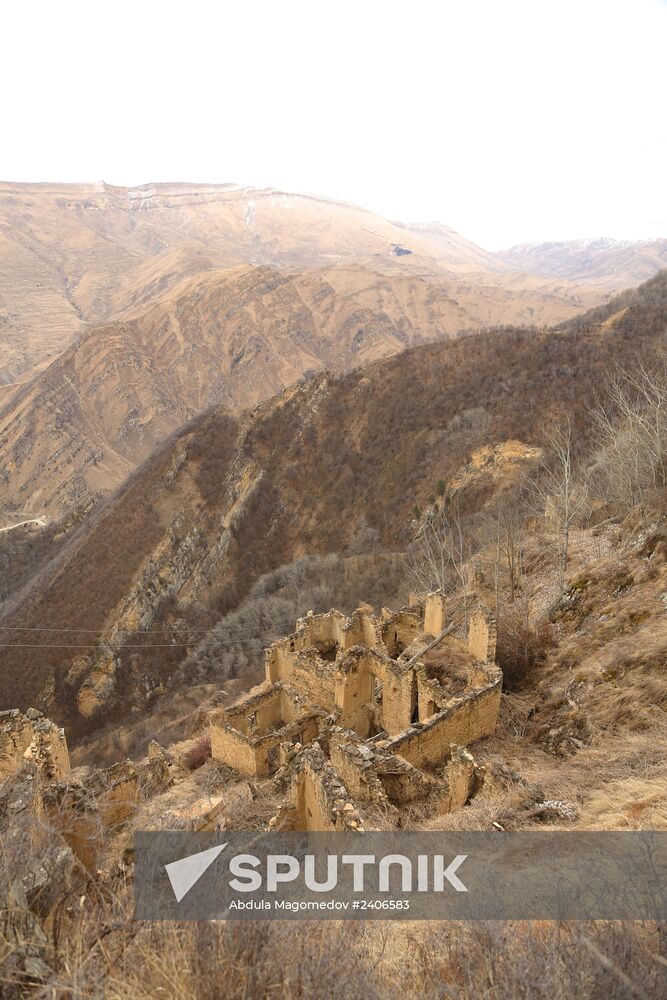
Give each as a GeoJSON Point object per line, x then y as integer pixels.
{"type": "Point", "coordinates": [126, 312]}
{"type": "Point", "coordinates": [612, 264]}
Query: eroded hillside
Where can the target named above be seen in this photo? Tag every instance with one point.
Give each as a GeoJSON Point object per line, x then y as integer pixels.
{"type": "Point", "coordinates": [231, 338]}
{"type": "Point", "coordinates": [72, 255]}
{"type": "Point", "coordinates": [230, 498]}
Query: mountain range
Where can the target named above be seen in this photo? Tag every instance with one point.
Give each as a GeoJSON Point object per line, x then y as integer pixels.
{"type": "Point", "coordinates": [126, 312]}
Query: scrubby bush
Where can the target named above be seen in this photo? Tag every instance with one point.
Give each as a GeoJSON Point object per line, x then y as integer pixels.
{"type": "Point", "coordinates": [199, 752]}
{"type": "Point", "coordinates": [522, 646]}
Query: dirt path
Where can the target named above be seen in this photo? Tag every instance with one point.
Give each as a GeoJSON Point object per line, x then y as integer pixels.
{"type": "Point", "coordinates": [39, 521]}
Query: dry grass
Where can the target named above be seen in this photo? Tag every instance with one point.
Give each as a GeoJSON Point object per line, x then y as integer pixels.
{"type": "Point", "coordinates": [96, 950]}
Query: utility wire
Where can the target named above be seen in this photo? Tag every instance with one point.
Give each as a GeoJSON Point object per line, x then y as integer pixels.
{"type": "Point", "coordinates": [47, 645]}
{"type": "Point", "coordinates": [232, 640]}
{"type": "Point", "coordinates": [231, 630]}
{"type": "Point", "coordinates": [122, 648]}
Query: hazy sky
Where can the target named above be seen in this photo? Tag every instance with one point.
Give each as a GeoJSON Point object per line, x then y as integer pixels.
{"type": "Point", "coordinates": [511, 120]}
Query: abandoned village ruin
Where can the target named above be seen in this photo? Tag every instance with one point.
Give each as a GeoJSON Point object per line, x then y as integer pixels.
{"type": "Point", "coordinates": [357, 718]}
{"type": "Point", "coordinates": [367, 709]}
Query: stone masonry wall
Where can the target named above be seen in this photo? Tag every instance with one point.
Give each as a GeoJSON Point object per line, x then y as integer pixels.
{"type": "Point", "coordinates": [233, 749]}
{"type": "Point", "coordinates": [32, 736]}
{"type": "Point", "coordinates": [482, 635]}
{"type": "Point", "coordinates": [259, 756]}
{"type": "Point", "coordinates": [434, 613]}
{"type": "Point", "coordinates": [473, 716]}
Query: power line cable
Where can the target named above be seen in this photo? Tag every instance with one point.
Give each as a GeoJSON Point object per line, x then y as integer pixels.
{"type": "Point", "coordinates": [231, 629]}
{"type": "Point", "coordinates": [122, 648]}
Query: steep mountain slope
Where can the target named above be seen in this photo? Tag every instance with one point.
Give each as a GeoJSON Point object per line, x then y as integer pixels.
{"type": "Point", "coordinates": [232, 497]}
{"type": "Point", "coordinates": [234, 337]}
{"type": "Point", "coordinates": [75, 254]}
{"type": "Point", "coordinates": [612, 264]}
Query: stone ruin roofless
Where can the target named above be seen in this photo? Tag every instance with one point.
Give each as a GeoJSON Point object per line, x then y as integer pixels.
{"type": "Point", "coordinates": [374, 709]}
{"type": "Point", "coordinates": [32, 737]}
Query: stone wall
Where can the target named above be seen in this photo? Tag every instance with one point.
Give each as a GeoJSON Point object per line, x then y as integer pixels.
{"type": "Point", "coordinates": [482, 635]}
{"type": "Point", "coordinates": [470, 717]}
{"type": "Point", "coordinates": [261, 707]}
{"type": "Point", "coordinates": [314, 679]}
{"type": "Point", "coordinates": [356, 766]}
{"type": "Point", "coordinates": [32, 737]}
{"type": "Point", "coordinates": [434, 613]}
{"type": "Point", "coordinates": [400, 630]}
{"type": "Point", "coordinates": [430, 696]}
{"type": "Point", "coordinates": [85, 814]}
{"type": "Point", "coordinates": [232, 748]}
{"type": "Point", "coordinates": [319, 800]}
{"type": "Point", "coordinates": [258, 756]}
{"type": "Point", "coordinates": [371, 774]}
{"type": "Point", "coordinates": [358, 673]}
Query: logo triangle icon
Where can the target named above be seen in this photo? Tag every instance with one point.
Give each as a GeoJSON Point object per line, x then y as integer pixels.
{"type": "Point", "coordinates": [185, 873]}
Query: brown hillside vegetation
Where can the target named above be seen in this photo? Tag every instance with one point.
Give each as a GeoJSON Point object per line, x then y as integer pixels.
{"type": "Point", "coordinates": [320, 482]}
{"type": "Point", "coordinates": [230, 498]}
{"type": "Point", "coordinates": [228, 338]}
{"type": "Point", "coordinates": [579, 748]}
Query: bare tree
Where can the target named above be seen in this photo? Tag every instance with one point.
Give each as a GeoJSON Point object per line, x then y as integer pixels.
{"type": "Point", "coordinates": [509, 541]}
{"type": "Point", "coordinates": [438, 556]}
{"type": "Point", "coordinates": [556, 492]}
{"type": "Point", "coordinates": [631, 430]}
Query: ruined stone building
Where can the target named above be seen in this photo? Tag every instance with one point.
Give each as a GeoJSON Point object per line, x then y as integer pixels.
{"type": "Point", "coordinates": [367, 709]}
{"type": "Point", "coordinates": [32, 737]}
{"type": "Point", "coordinates": [358, 718]}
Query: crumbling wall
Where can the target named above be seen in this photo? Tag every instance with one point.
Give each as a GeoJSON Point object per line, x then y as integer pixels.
{"type": "Point", "coordinates": [371, 774]}
{"type": "Point", "coordinates": [434, 613]}
{"type": "Point", "coordinates": [358, 673]}
{"type": "Point", "coordinates": [15, 737]}
{"type": "Point", "coordinates": [363, 629]}
{"type": "Point", "coordinates": [462, 777]}
{"type": "Point", "coordinates": [261, 707]}
{"type": "Point", "coordinates": [314, 679]}
{"type": "Point", "coordinates": [86, 813]}
{"type": "Point", "coordinates": [278, 661]}
{"type": "Point", "coordinates": [232, 748]}
{"type": "Point", "coordinates": [472, 716]}
{"type": "Point", "coordinates": [267, 748]}
{"type": "Point", "coordinates": [318, 798]}
{"type": "Point", "coordinates": [402, 629]}
{"type": "Point", "coordinates": [32, 737]}
{"type": "Point", "coordinates": [356, 765]}
{"type": "Point", "coordinates": [117, 793]}
{"type": "Point", "coordinates": [482, 635]}
{"type": "Point", "coordinates": [258, 756]}
{"type": "Point", "coordinates": [430, 696]}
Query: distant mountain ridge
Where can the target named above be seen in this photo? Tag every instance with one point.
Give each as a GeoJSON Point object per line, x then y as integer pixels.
{"type": "Point", "coordinates": [125, 312]}
{"type": "Point", "coordinates": [72, 255]}
{"type": "Point", "coordinates": [231, 337]}
{"type": "Point", "coordinates": [608, 263]}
